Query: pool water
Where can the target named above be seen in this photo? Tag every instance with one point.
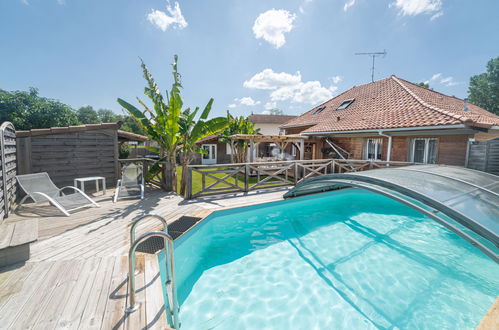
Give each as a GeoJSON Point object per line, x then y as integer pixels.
{"type": "Point", "coordinates": [348, 259]}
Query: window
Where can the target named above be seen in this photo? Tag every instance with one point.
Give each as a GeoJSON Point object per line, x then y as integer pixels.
{"type": "Point", "coordinates": [319, 110]}
{"type": "Point", "coordinates": [424, 150]}
{"type": "Point", "coordinates": [373, 148]}
{"type": "Point", "coordinates": [345, 104]}
{"type": "Point", "coordinates": [229, 149]}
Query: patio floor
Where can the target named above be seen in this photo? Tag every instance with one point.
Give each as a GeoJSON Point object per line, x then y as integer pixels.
{"type": "Point", "coordinates": [76, 277]}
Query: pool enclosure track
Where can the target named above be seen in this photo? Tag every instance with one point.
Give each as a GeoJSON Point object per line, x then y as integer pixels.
{"type": "Point", "coordinates": [411, 192]}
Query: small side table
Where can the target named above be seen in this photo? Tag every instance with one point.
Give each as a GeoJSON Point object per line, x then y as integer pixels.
{"type": "Point", "coordinates": [91, 178]}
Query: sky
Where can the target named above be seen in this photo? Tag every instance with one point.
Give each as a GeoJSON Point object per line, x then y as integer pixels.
{"type": "Point", "coordinates": [250, 56]}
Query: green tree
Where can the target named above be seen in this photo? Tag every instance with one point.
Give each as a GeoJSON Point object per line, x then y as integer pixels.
{"type": "Point", "coordinates": [108, 116]}
{"type": "Point", "coordinates": [424, 84]}
{"type": "Point", "coordinates": [238, 125]}
{"type": "Point", "coordinates": [87, 115]}
{"type": "Point", "coordinates": [26, 110]}
{"type": "Point", "coordinates": [192, 130]}
{"type": "Point", "coordinates": [484, 88]}
{"type": "Point", "coordinates": [131, 125]}
{"type": "Point", "coordinates": [275, 112]}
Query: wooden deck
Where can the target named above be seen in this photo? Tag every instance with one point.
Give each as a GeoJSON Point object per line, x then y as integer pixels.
{"type": "Point", "coordinates": [76, 277]}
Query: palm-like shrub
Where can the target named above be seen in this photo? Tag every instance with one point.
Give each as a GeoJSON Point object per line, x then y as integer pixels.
{"type": "Point", "coordinates": [175, 131]}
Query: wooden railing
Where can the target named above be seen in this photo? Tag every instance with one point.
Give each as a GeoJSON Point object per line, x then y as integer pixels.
{"type": "Point", "coordinates": [355, 165]}
{"type": "Point", "coordinates": [219, 179]}
{"type": "Point", "coordinates": [205, 180]}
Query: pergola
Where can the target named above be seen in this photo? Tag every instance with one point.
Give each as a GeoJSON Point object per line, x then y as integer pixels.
{"type": "Point", "coordinates": [281, 142]}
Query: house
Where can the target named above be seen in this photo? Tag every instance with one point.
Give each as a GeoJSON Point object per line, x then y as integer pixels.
{"type": "Point", "coordinates": [218, 152]}
{"type": "Point", "coordinates": [393, 119]}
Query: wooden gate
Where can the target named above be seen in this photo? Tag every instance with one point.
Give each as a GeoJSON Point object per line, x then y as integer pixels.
{"type": "Point", "coordinates": [7, 168]}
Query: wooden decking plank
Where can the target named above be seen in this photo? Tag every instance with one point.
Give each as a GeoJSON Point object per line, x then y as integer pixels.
{"type": "Point", "coordinates": [6, 231]}
{"type": "Point", "coordinates": [50, 312]}
{"type": "Point", "coordinates": [24, 232]}
{"type": "Point", "coordinates": [73, 310]}
{"type": "Point", "coordinates": [94, 309]}
{"type": "Point", "coordinates": [12, 281]}
{"type": "Point", "coordinates": [155, 307]}
{"type": "Point", "coordinates": [22, 307]}
{"type": "Point", "coordinates": [137, 319]}
{"type": "Point", "coordinates": [114, 315]}
{"type": "Point", "coordinates": [35, 306]}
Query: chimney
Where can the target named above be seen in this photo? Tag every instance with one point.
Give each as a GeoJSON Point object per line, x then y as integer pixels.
{"type": "Point", "coordinates": [465, 108]}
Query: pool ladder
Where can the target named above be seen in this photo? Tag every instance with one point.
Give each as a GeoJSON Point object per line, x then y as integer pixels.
{"type": "Point", "coordinates": [173, 308]}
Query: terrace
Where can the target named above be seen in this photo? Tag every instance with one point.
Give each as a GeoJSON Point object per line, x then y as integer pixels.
{"type": "Point", "coordinates": [77, 274]}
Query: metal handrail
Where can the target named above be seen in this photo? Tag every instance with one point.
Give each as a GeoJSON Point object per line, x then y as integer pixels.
{"type": "Point", "coordinates": [170, 269]}
{"type": "Point", "coordinates": [145, 216]}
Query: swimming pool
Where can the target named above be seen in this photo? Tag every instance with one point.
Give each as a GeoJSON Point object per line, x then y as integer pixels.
{"type": "Point", "coordinates": [345, 259]}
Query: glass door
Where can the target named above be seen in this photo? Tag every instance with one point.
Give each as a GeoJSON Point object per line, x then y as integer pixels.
{"type": "Point", "coordinates": [210, 157]}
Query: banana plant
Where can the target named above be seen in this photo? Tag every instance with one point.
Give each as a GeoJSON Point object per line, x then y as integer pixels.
{"type": "Point", "coordinates": [161, 123]}
{"type": "Point", "coordinates": [192, 130]}
{"type": "Point", "coordinates": [238, 125]}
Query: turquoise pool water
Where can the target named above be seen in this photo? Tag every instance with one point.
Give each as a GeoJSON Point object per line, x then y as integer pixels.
{"type": "Point", "coordinates": [349, 259]}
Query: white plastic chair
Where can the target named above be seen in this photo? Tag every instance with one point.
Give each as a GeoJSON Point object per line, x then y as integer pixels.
{"type": "Point", "coordinates": [131, 184]}
{"type": "Point", "coordinates": [40, 188]}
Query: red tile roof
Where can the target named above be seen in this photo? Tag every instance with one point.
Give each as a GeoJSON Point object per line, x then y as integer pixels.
{"type": "Point", "coordinates": [392, 103]}
{"type": "Point", "coordinates": [269, 119]}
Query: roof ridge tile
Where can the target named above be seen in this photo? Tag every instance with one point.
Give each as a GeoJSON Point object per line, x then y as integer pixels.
{"type": "Point", "coordinates": [464, 119]}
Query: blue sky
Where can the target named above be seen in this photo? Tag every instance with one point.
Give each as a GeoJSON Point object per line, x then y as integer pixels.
{"type": "Point", "coordinates": [247, 55]}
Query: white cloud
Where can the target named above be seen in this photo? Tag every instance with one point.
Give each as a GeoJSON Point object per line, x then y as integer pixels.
{"type": "Point", "coordinates": [272, 24]}
{"type": "Point", "coordinates": [162, 20]}
{"type": "Point", "coordinates": [439, 78]}
{"type": "Point", "coordinates": [336, 79]}
{"type": "Point", "coordinates": [290, 87]}
{"type": "Point", "coordinates": [348, 4]}
{"type": "Point", "coordinates": [270, 105]}
{"type": "Point", "coordinates": [268, 79]}
{"type": "Point", "coordinates": [61, 2]}
{"type": "Point", "coordinates": [437, 15]}
{"type": "Point", "coordinates": [247, 101]}
{"type": "Point", "coordinates": [232, 105]}
{"type": "Point", "coordinates": [435, 76]}
{"type": "Point", "coordinates": [416, 7]}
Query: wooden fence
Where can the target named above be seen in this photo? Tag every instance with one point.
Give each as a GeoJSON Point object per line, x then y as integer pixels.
{"type": "Point", "coordinates": [205, 180]}
{"type": "Point", "coordinates": [484, 156]}
{"type": "Point", "coordinates": [7, 168]}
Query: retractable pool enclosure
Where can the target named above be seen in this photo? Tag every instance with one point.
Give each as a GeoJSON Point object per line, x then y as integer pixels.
{"type": "Point", "coordinates": [465, 201]}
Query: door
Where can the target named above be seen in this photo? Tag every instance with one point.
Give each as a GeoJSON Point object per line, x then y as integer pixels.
{"type": "Point", "coordinates": [210, 157]}
{"type": "Point", "coordinates": [373, 149]}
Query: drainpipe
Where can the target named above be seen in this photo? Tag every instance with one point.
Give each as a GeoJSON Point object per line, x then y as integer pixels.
{"type": "Point", "coordinates": [389, 151]}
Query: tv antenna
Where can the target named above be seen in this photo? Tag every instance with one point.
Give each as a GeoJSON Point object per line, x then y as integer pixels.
{"type": "Point", "coordinates": [373, 55]}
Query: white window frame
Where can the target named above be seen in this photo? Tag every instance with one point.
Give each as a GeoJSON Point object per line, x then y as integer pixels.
{"type": "Point", "coordinates": [212, 152]}
{"type": "Point", "coordinates": [378, 148]}
{"type": "Point", "coordinates": [426, 148]}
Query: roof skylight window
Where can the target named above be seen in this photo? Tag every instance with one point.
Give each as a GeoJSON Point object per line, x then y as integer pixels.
{"type": "Point", "coordinates": [319, 110]}
{"type": "Point", "coordinates": [345, 104]}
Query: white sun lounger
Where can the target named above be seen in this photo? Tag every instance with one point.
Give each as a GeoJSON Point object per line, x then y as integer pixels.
{"type": "Point", "coordinates": [131, 184]}
{"type": "Point", "coordinates": [40, 188]}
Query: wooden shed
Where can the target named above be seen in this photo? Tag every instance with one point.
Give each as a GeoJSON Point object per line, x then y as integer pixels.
{"type": "Point", "coordinates": [66, 153]}
{"type": "Point", "coordinates": [484, 156]}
